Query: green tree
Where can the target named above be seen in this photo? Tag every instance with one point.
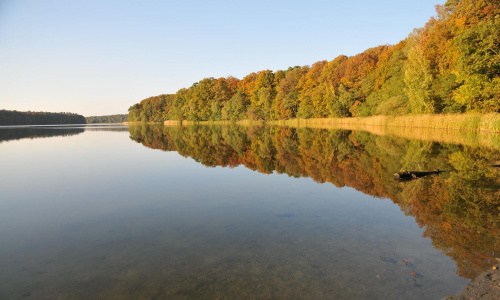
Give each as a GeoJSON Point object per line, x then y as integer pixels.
{"type": "Point", "coordinates": [478, 66]}
{"type": "Point", "coordinates": [418, 79]}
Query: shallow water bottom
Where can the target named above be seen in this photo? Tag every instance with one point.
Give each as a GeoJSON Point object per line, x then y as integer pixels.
{"type": "Point", "coordinates": [98, 217]}
{"type": "Point", "coordinates": [293, 251]}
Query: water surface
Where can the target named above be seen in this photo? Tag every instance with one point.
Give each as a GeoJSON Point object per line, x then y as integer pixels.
{"type": "Point", "coordinates": [237, 212]}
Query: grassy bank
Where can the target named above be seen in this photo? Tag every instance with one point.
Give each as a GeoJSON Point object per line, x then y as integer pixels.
{"type": "Point", "coordinates": [464, 129]}
{"type": "Point", "coordinates": [466, 122]}
{"type": "Point", "coordinates": [470, 122]}
{"type": "Point", "coordinates": [461, 137]}
{"type": "Point", "coordinates": [141, 123]}
{"type": "Point", "coordinates": [242, 122]}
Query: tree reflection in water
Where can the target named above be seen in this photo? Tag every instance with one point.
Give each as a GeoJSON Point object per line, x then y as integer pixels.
{"type": "Point", "coordinates": [460, 208]}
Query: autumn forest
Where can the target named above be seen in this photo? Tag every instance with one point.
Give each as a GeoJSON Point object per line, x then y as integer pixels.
{"type": "Point", "coordinates": [12, 117]}
{"type": "Point", "coordinates": [451, 65]}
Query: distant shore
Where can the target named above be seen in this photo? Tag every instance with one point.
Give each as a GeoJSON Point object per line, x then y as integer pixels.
{"type": "Point", "coordinates": [14, 117]}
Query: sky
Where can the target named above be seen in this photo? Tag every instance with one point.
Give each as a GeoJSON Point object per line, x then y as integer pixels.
{"type": "Point", "coordinates": [98, 57]}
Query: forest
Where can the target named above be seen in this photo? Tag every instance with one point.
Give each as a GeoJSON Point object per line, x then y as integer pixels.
{"type": "Point", "coordinates": [451, 65]}
{"type": "Point", "coordinates": [458, 209]}
{"type": "Point", "coordinates": [107, 119]}
{"type": "Point", "coordinates": [13, 117]}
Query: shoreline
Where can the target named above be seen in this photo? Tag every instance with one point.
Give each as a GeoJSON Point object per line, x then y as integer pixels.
{"type": "Point", "coordinates": [471, 122]}
{"type": "Point", "coordinates": [485, 286]}
{"type": "Point", "coordinates": [489, 123]}
{"type": "Point", "coordinates": [464, 129]}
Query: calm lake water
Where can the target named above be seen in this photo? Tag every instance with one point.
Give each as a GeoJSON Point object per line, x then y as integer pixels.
{"type": "Point", "coordinates": [229, 212]}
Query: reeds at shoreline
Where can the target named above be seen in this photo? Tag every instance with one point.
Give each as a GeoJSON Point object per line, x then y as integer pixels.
{"type": "Point", "coordinates": [465, 129]}
{"type": "Point", "coordinates": [464, 122]}
{"type": "Point", "coordinates": [468, 122]}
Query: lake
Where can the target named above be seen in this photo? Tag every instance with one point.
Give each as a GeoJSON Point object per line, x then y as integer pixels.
{"type": "Point", "coordinates": [233, 212]}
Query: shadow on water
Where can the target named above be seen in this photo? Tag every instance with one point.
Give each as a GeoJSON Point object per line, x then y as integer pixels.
{"type": "Point", "coordinates": [459, 208]}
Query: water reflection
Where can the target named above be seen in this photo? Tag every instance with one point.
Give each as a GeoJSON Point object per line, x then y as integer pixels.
{"type": "Point", "coordinates": [8, 133]}
{"type": "Point", "coordinates": [98, 216]}
{"type": "Point", "coordinates": [33, 132]}
{"type": "Point", "coordinates": [459, 209]}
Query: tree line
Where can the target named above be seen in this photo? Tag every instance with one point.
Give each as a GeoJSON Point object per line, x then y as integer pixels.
{"type": "Point", "coordinates": [13, 117]}
{"type": "Point", "coordinates": [107, 119]}
{"type": "Point", "coordinates": [451, 65]}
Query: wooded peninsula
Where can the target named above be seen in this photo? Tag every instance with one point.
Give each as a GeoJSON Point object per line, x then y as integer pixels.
{"type": "Point", "coordinates": [107, 119]}
{"type": "Point", "coordinates": [13, 117]}
{"type": "Point", "coordinates": [450, 66]}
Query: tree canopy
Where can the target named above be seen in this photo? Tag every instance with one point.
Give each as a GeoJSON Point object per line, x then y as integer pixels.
{"type": "Point", "coordinates": [451, 65]}
{"type": "Point", "coordinates": [13, 117]}
{"type": "Point", "coordinates": [107, 119]}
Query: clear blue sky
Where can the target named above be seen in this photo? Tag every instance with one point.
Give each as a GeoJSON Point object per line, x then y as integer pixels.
{"type": "Point", "coordinates": [98, 57]}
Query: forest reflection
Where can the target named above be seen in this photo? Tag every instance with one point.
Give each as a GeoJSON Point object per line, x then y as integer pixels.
{"type": "Point", "coordinates": [18, 133]}
{"type": "Point", "coordinates": [8, 133]}
{"type": "Point", "coordinates": [459, 209]}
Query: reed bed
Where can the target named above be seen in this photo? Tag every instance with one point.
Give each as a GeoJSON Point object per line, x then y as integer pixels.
{"type": "Point", "coordinates": [141, 123]}
{"type": "Point", "coordinates": [466, 129]}
{"type": "Point", "coordinates": [468, 122]}
{"type": "Point", "coordinates": [242, 122]}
